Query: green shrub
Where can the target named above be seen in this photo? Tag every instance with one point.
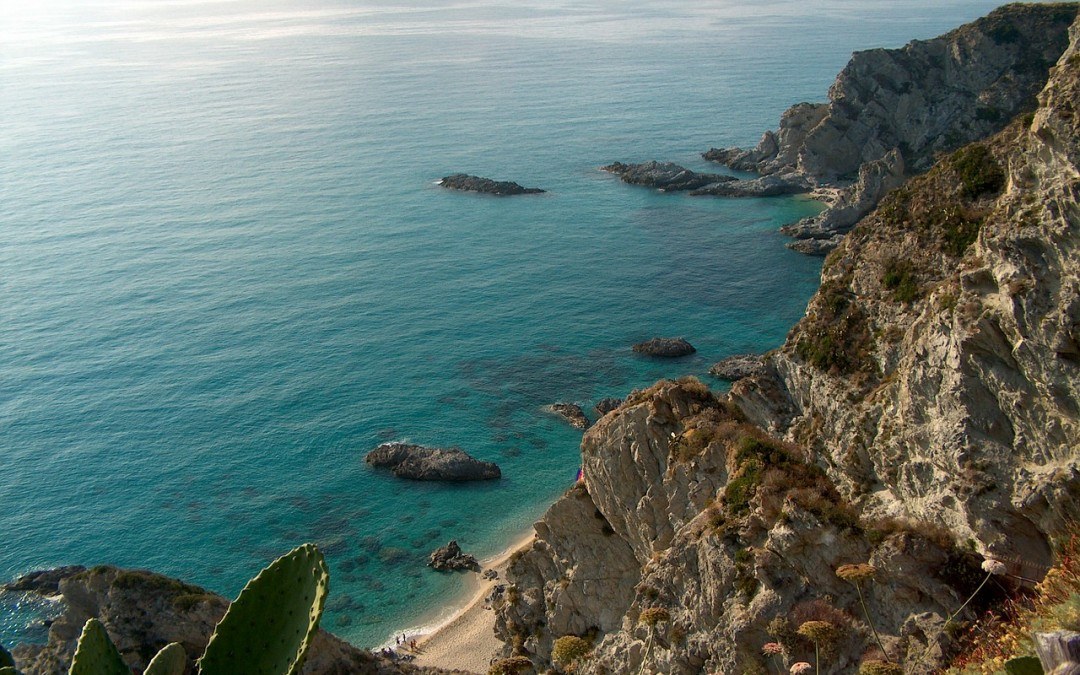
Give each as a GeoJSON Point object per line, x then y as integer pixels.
{"type": "Point", "coordinates": [569, 648]}
{"type": "Point", "coordinates": [899, 277]}
{"type": "Point", "coordinates": [979, 173]}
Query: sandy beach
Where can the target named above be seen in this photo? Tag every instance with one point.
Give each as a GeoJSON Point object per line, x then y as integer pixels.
{"type": "Point", "coordinates": [466, 641]}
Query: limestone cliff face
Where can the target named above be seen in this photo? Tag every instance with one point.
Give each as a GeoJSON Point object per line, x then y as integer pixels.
{"type": "Point", "coordinates": [892, 111]}
{"type": "Point", "coordinates": [924, 413]}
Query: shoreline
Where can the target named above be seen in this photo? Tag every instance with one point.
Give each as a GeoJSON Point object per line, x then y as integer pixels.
{"type": "Point", "coordinates": [463, 637]}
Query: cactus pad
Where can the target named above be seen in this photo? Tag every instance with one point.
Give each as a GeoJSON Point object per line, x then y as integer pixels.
{"type": "Point", "coordinates": [1024, 665]}
{"type": "Point", "coordinates": [8, 670]}
{"type": "Point", "coordinates": [6, 659]}
{"type": "Point", "coordinates": [269, 628]}
{"type": "Point", "coordinates": [96, 654]}
{"type": "Point", "coordinates": [171, 660]}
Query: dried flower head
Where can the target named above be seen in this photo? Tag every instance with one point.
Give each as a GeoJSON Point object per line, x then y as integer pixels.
{"type": "Point", "coordinates": [772, 649]}
{"type": "Point", "coordinates": [654, 615]}
{"type": "Point", "coordinates": [857, 572]}
{"type": "Point", "coordinates": [879, 667]}
{"type": "Point", "coordinates": [819, 631]}
{"type": "Point", "coordinates": [800, 668]}
{"type": "Point", "coordinates": [995, 567]}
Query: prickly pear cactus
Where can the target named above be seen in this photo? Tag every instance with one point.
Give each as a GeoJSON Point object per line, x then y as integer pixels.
{"type": "Point", "coordinates": [6, 659]}
{"type": "Point", "coordinates": [1024, 665]}
{"type": "Point", "coordinates": [8, 670]}
{"type": "Point", "coordinates": [169, 661]}
{"type": "Point", "coordinates": [96, 654]}
{"type": "Point", "coordinates": [270, 626]}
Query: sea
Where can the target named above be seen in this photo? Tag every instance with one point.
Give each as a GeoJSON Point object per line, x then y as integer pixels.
{"type": "Point", "coordinates": [227, 271]}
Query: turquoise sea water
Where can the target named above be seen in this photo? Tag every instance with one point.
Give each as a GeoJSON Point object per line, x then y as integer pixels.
{"type": "Point", "coordinates": [226, 272]}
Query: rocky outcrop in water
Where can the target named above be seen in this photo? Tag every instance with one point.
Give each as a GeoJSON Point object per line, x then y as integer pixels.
{"type": "Point", "coordinates": [737, 367]}
{"type": "Point", "coordinates": [143, 612]}
{"type": "Point", "coordinates": [417, 462]}
{"type": "Point", "coordinates": [892, 111]}
{"type": "Point", "coordinates": [665, 347]}
{"type": "Point", "coordinates": [451, 557]}
{"type": "Point", "coordinates": [571, 413]}
{"type": "Point", "coordinates": [664, 176]}
{"type": "Point", "coordinates": [921, 416]}
{"type": "Point", "coordinates": [467, 183]}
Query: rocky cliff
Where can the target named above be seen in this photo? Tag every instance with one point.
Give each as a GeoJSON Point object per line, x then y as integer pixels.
{"type": "Point", "coordinates": [892, 111]}
{"type": "Point", "coordinates": [143, 612]}
{"type": "Point", "coordinates": [924, 414]}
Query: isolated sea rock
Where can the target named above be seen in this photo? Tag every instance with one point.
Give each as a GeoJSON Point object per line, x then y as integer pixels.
{"type": "Point", "coordinates": [418, 462]}
{"type": "Point", "coordinates": [606, 405]}
{"type": "Point", "coordinates": [451, 557]}
{"type": "Point", "coordinates": [664, 176]}
{"type": "Point", "coordinates": [467, 183]}
{"type": "Point", "coordinates": [737, 367]}
{"type": "Point", "coordinates": [665, 347]}
{"type": "Point", "coordinates": [571, 413]}
{"type": "Point", "coordinates": [143, 612]}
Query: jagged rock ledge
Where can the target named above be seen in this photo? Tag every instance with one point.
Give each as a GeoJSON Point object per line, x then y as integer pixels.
{"type": "Point", "coordinates": [738, 366]}
{"type": "Point", "coordinates": [664, 176]}
{"type": "Point", "coordinates": [467, 183]}
{"type": "Point", "coordinates": [606, 405]}
{"type": "Point", "coordinates": [418, 462]}
{"type": "Point", "coordinates": [571, 413]}
{"type": "Point", "coordinates": [665, 347]}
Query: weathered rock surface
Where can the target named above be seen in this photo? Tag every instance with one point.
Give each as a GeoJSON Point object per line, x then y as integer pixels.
{"type": "Point", "coordinates": [44, 582]}
{"type": "Point", "coordinates": [738, 366]}
{"type": "Point", "coordinates": [765, 186]}
{"type": "Point", "coordinates": [906, 106]}
{"type": "Point", "coordinates": [665, 347]}
{"type": "Point", "coordinates": [606, 405]}
{"type": "Point", "coordinates": [143, 612]}
{"type": "Point", "coordinates": [664, 176]}
{"type": "Point", "coordinates": [451, 557]}
{"type": "Point", "coordinates": [655, 472]}
{"type": "Point", "coordinates": [925, 409]}
{"type": "Point", "coordinates": [571, 413]}
{"type": "Point", "coordinates": [417, 462]}
{"type": "Point", "coordinates": [467, 183]}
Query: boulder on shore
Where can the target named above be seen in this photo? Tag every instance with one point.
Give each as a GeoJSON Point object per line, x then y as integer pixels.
{"type": "Point", "coordinates": [571, 413]}
{"type": "Point", "coordinates": [737, 367]}
{"type": "Point", "coordinates": [417, 462]}
{"type": "Point", "coordinates": [451, 557]}
{"type": "Point", "coordinates": [665, 347]}
{"type": "Point", "coordinates": [467, 183]}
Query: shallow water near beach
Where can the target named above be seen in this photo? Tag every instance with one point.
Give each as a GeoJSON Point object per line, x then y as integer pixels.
{"type": "Point", "coordinates": [226, 270]}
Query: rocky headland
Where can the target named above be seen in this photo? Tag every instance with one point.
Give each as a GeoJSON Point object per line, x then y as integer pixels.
{"type": "Point", "coordinates": [891, 112]}
{"type": "Point", "coordinates": [417, 462]}
{"type": "Point", "coordinates": [501, 188]}
{"type": "Point", "coordinates": [921, 420]}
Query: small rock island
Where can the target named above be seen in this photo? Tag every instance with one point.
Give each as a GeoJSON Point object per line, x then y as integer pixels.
{"type": "Point", "coordinates": [417, 462]}
{"type": "Point", "coordinates": [467, 183]}
{"type": "Point", "coordinates": [665, 347]}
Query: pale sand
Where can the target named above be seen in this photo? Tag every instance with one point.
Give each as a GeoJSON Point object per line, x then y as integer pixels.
{"type": "Point", "coordinates": [466, 641]}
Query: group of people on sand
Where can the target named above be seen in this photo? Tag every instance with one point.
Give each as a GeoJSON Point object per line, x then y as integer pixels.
{"type": "Point", "coordinates": [402, 642]}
